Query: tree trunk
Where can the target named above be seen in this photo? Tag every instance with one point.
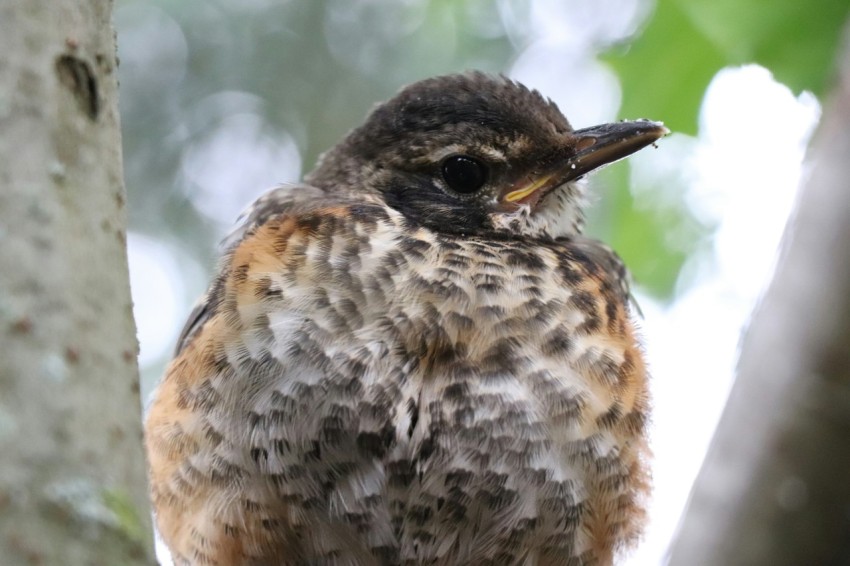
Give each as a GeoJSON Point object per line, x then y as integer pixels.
{"type": "Point", "coordinates": [775, 486]}
{"type": "Point", "coordinates": [72, 479]}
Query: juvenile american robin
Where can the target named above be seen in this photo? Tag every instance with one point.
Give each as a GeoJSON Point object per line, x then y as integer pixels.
{"type": "Point", "coordinates": [415, 357]}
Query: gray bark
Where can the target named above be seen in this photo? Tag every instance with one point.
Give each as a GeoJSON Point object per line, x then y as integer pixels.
{"type": "Point", "coordinates": [72, 480]}
{"type": "Point", "coordinates": [775, 486]}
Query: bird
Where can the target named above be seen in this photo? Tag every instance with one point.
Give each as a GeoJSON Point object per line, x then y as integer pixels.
{"type": "Point", "coordinates": [414, 356]}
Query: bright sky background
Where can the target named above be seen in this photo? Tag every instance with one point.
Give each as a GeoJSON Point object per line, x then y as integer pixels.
{"type": "Point", "coordinates": [745, 167]}
{"type": "Point", "coordinates": [748, 164]}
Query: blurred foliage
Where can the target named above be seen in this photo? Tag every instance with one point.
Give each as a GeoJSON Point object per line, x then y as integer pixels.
{"type": "Point", "coordinates": [642, 234]}
{"type": "Point", "coordinates": [668, 67]}
{"type": "Point", "coordinates": [665, 71]}
{"type": "Point", "coordinates": [316, 66]}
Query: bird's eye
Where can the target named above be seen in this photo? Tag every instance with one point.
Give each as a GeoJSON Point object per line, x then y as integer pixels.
{"type": "Point", "coordinates": [463, 174]}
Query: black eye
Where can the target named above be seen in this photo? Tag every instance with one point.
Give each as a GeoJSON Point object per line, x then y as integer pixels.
{"type": "Point", "coordinates": [464, 174]}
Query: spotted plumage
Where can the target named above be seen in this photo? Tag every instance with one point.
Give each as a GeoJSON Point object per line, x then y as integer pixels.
{"type": "Point", "coordinates": [391, 368]}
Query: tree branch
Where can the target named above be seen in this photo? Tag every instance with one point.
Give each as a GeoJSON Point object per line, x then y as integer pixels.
{"type": "Point", "coordinates": [775, 486]}
{"type": "Point", "coordinates": [72, 477]}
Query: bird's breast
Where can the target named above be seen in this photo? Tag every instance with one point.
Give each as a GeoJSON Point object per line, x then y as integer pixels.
{"type": "Point", "coordinates": [382, 393]}
{"type": "Point", "coordinates": [498, 381]}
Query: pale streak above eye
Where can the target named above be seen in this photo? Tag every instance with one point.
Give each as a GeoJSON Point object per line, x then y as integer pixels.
{"type": "Point", "coordinates": [493, 153]}
{"type": "Point", "coordinates": [490, 152]}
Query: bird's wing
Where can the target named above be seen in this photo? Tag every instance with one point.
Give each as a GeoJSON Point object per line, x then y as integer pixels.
{"type": "Point", "coordinates": [282, 200]}
{"type": "Point", "coordinates": [257, 417]}
{"type": "Point", "coordinates": [614, 267]}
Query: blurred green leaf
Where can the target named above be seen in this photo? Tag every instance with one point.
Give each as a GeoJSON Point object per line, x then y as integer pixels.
{"type": "Point", "coordinates": [666, 70]}
{"type": "Point", "coordinates": [641, 234]}
{"type": "Point", "coordinates": [795, 40]}
{"type": "Point", "coordinates": [640, 238]}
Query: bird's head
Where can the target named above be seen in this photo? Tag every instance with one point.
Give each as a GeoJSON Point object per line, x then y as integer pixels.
{"type": "Point", "coordinates": [474, 153]}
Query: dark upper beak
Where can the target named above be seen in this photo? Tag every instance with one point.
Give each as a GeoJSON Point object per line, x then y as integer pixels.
{"type": "Point", "coordinates": [592, 148]}
{"type": "Point", "coordinates": [601, 145]}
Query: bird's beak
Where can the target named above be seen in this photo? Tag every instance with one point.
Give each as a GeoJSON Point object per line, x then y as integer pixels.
{"type": "Point", "coordinates": [589, 149]}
